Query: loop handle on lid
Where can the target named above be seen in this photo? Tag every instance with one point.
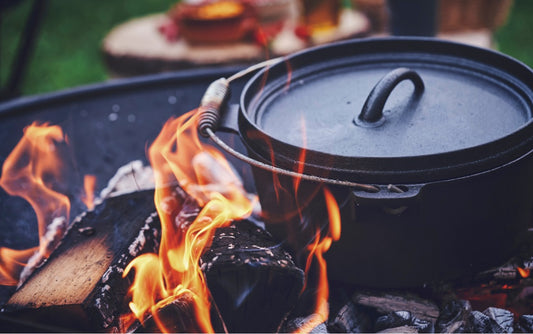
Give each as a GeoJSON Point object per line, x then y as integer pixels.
{"type": "Point", "coordinates": [372, 112]}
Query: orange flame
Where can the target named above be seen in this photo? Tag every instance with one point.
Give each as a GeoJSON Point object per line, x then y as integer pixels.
{"type": "Point", "coordinates": [12, 262]}
{"type": "Point", "coordinates": [302, 155]}
{"type": "Point", "coordinates": [32, 171]}
{"type": "Point", "coordinates": [89, 185]}
{"type": "Point", "coordinates": [317, 250]}
{"type": "Point", "coordinates": [162, 278]}
{"type": "Point", "coordinates": [524, 272]}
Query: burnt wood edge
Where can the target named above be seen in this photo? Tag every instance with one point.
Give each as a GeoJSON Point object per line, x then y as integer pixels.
{"type": "Point", "coordinates": [107, 299]}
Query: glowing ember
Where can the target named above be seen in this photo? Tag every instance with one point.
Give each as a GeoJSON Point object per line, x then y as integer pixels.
{"type": "Point", "coordinates": [524, 273]}
{"type": "Point", "coordinates": [33, 171]}
{"type": "Point", "coordinates": [174, 272]}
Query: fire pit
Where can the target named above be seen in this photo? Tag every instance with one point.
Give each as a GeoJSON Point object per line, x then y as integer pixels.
{"type": "Point", "coordinates": [107, 127]}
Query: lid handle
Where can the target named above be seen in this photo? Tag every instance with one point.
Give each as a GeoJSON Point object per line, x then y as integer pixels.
{"type": "Point", "coordinates": [372, 112]}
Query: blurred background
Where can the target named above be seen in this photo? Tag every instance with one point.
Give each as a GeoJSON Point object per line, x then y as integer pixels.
{"type": "Point", "coordinates": [67, 47]}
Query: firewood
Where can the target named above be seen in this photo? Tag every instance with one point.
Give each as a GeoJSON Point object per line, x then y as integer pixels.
{"type": "Point", "coordinates": [389, 302]}
{"type": "Point", "coordinates": [253, 280]}
{"type": "Point", "coordinates": [80, 287]}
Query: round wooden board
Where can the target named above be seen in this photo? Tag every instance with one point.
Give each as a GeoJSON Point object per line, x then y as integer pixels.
{"type": "Point", "coordinates": [136, 47]}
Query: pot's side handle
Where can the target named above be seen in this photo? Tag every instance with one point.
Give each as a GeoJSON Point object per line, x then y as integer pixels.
{"type": "Point", "coordinates": [229, 119]}
{"type": "Point", "coordinates": [389, 196]}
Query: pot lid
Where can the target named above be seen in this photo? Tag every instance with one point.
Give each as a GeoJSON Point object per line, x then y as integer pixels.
{"type": "Point", "coordinates": [458, 104]}
{"type": "Point", "coordinates": [394, 98]}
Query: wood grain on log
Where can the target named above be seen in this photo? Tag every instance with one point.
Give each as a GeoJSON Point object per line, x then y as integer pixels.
{"type": "Point", "coordinates": [80, 287]}
{"type": "Point", "coordinates": [388, 302]}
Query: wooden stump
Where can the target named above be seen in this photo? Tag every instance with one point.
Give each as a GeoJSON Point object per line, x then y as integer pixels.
{"type": "Point", "coordinates": [136, 47]}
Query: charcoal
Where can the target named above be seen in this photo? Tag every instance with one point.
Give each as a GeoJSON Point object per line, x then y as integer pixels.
{"type": "Point", "coordinates": [504, 318]}
{"type": "Point", "coordinates": [525, 323]}
{"type": "Point", "coordinates": [351, 319]}
{"type": "Point", "coordinates": [482, 323]}
{"type": "Point", "coordinates": [252, 279]}
{"type": "Point", "coordinates": [298, 324]}
{"type": "Point", "coordinates": [402, 318]}
{"type": "Point", "coordinates": [454, 316]}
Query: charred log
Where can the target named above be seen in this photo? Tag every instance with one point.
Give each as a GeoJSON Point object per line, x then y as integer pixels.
{"type": "Point", "coordinates": [389, 302]}
{"type": "Point", "coordinates": [80, 287]}
{"type": "Point", "coordinates": [253, 280]}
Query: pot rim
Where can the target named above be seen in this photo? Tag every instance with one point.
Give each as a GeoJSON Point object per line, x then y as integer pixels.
{"type": "Point", "coordinates": [404, 169]}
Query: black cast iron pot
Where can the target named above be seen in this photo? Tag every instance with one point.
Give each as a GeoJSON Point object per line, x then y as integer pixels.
{"type": "Point", "coordinates": [440, 132]}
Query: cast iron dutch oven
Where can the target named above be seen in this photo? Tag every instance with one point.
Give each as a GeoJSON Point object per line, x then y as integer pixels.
{"type": "Point", "coordinates": [431, 142]}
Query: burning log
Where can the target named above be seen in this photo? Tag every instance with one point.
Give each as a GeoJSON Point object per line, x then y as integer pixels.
{"type": "Point", "coordinates": [176, 316]}
{"type": "Point", "coordinates": [81, 287]}
{"type": "Point", "coordinates": [253, 280]}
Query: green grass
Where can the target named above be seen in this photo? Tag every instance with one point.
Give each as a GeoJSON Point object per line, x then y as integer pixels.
{"type": "Point", "coordinates": [515, 38]}
{"type": "Point", "coordinates": [67, 53]}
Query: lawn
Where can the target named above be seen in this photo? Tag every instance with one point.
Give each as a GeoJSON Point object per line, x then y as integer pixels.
{"type": "Point", "coordinates": [67, 52]}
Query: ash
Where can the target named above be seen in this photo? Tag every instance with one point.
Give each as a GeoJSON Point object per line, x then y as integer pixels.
{"type": "Point", "coordinates": [133, 176]}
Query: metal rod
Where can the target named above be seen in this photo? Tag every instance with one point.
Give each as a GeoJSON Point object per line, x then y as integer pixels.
{"type": "Point", "coordinates": [25, 49]}
{"type": "Point", "coordinates": [395, 189]}
{"type": "Point", "coordinates": [255, 67]}
{"type": "Point", "coordinates": [273, 169]}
